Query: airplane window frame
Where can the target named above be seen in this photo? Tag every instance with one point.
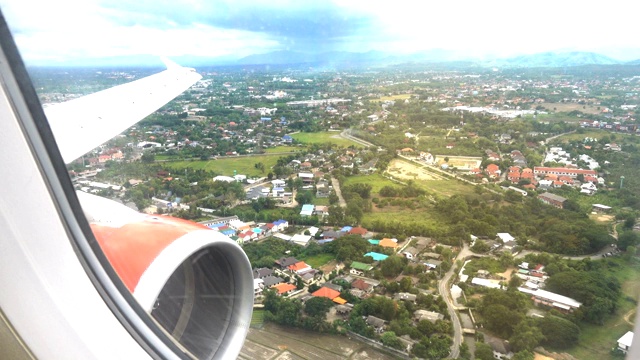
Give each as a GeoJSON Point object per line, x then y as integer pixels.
{"type": "Point", "coordinates": [46, 154]}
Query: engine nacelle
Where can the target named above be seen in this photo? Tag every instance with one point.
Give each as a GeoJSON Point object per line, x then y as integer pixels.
{"type": "Point", "coordinates": [195, 282]}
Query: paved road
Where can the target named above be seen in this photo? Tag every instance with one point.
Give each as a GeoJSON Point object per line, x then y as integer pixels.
{"type": "Point", "coordinates": [443, 288]}
{"type": "Point", "coordinates": [347, 135]}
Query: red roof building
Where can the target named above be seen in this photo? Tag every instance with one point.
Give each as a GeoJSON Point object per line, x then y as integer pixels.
{"type": "Point", "coordinates": [283, 288]}
{"type": "Point", "coordinates": [326, 292]}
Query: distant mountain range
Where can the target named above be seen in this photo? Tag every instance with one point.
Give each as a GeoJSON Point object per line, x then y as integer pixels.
{"type": "Point", "coordinates": [344, 59]}
{"type": "Point", "coordinates": [547, 59]}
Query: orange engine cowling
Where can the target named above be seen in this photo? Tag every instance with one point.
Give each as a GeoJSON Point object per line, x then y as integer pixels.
{"type": "Point", "coordinates": [195, 282]}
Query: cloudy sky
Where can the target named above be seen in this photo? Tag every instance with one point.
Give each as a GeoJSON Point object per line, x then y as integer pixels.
{"type": "Point", "coordinates": [78, 30]}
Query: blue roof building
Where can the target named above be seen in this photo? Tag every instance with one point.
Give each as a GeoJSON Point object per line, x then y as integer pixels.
{"type": "Point", "coordinates": [346, 229]}
{"type": "Point", "coordinates": [374, 242]}
{"type": "Point", "coordinates": [376, 256]}
{"type": "Point", "coordinates": [307, 210]}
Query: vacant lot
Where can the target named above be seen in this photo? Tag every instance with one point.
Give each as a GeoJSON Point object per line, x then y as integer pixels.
{"type": "Point", "coordinates": [569, 107]}
{"type": "Point", "coordinates": [460, 162]}
{"type": "Point", "coordinates": [328, 137]}
{"type": "Point", "coordinates": [429, 180]}
{"type": "Point", "coordinates": [275, 342]}
{"type": "Point", "coordinates": [403, 170]}
{"type": "Point", "coordinates": [376, 181]}
{"type": "Point", "coordinates": [244, 165]}
{"type": "Point", "coordinates": [392, 98]}
{"type": "Point", "coordinates": [319, 260]}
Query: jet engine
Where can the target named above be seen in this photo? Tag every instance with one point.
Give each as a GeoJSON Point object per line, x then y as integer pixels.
{"type": "Point", "coordinates": [193, 281]}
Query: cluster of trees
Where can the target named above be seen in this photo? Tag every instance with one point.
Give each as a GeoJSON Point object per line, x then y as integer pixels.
{"type": "Point", "coordinates": [597, 291]}
{"type": "Point", "coordinates": [409, 191]}
{"type": "Point", "coordinates": [556, 230]}
{"type": "Point", "coordinates": [434, 338]}
{"type": "Point", "coordinates": [504, 314]}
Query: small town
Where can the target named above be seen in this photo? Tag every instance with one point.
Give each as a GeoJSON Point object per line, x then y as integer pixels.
{"type": "Point", "coordinates": [426, 215]}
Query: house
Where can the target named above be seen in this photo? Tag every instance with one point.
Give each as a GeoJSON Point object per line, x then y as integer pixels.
{"type": "Point", "coordinates": [410, 252]}
{"type": "Point", "coordinates": [322, 190]}
{"type": "Point", "coordinates": [307, 210]}
{"type": "Point", "coordinates": [301, 239]}
{"type": "Point", "coordinates": [559, 302]}
{"type": "Point", "coordinates": [270, 280]}
{"type": "Point", "coordinates": [307, 178]}
{"type": "Point", "coordinates": [552, 199]}
{"type": "Point", "coordinates": [326, 292]}
{"type": "Point", "coordinates": [493, 170]}
{"type": "Point", "coordinates": [360, 266]}
{"type": "Point", "coordinates": [321, 210]}
{"type": "Point", "coordinates": [624, 343]}
{"type": "Point", "coordinates": [258, 286]}
{"type": "Point", "coordinates": [505, 237]}
{"type": "Point", "coordinates": [299, 268]}
{"type": "Point", "coordinates": [491, 284]}
{"type": "Point", "coordinates": [362, 285]}
{"type": "Point", "coordinates": [284, 262]}
{"type": "Point", "coordinates": [388, 243]}
{"type": "Point", "coordinates": [405, 296]}
{"type": "Point", "coordinates": [376, 323]}
{"type": "Point", "coordinates": [376, 256]}
{"type": "Point", "coordinates": [358, 231]}
{"type": "Point", "coordinates": [430, 316]}
{"type": "Point", "coordinates": [331, 234]}
{"type": "Point", "coordinates": [284, 288]}
{"type": "Point", "coordinates": [262, 273]}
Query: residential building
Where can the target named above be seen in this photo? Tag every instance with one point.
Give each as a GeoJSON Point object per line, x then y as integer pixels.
{"type": "Point", "coordinates": [430, 316]}
{"type": "Point", "coordinates": [559, 302]}
{"type": "Point", "coordinates": [552, 199]}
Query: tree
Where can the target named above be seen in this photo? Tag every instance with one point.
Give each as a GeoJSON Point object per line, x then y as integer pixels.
{"type": "Point", "coordinates": [523, 355]}
{"type": "Point", "coordinates": [317, 306]}
{"type": "Point", "coordinates": [390, 339]}
{"type": "Point", "coordinates": [629, 222]}
{"type": "Point", "coordinates": [483, 351]}
{"type": "Point", "coordinates": [526, 336]}
{"type": "Point", "coordinates": [559, 333]}
{"type": "Point", "coordinates": [148, 158]}
{"type": "Point", "coordinates": [393, 265]}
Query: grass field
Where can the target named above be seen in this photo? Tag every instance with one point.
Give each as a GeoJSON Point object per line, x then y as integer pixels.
{"type": "Point", "coordinates": [327, 137]}
{"type": "Point", "coordinates": [569, 107]}
{"type": "Point", "coordinates": [593, 133]}
{"type": "Point", "coordinates": [318, 260]}
{"type": "Point", "coordinates": [257, 318]}
{"type": "Point", "coordinates": [392, 97]}
{"type": "Point", "coordinates": [225, 166]}
{"type": "Point", "coordinates": [447, 187]}
{"type": "Point", "coordinates": [376, 181]}
{"type": "Point", "coordinates": [280, 149]}
{"type": "Point", "coordinates": [596, 341]}
{"type": "Point", "coordinates": [405, 215]}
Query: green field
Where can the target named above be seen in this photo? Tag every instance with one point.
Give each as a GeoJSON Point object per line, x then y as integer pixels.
{"type": "Point", "coordinates": [318, 260]}
{"type": "Point", "coordinates": [280, 149]}
{"type": "Point", "coordinates": [225, 166]}
{"type": "Point", "coordinates": [257, 318]}
{"type": "Point", "coordinates": [596, 341]}
{"type": "Point", "coordinates": [447, 187]}
{"type": "Point", "coordinates": [327, 137]}
{"type": "Point", "coordinates": [405, 215]}
{"type": "Point", "coordinates": [592, 133]}
{"type": "Point", "coordinates": [392, 97]}
{"type": "Point", "coordinates": [376, 181]}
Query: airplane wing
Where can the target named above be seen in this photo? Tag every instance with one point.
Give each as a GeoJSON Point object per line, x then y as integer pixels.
{"type": "Point", "coordinates": [83, 124]}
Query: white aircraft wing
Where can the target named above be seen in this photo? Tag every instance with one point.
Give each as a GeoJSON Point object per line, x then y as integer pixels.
{"type": "Point", "coordinates": [83, 124]}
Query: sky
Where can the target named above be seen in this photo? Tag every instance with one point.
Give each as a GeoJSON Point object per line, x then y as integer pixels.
{"type": "Point", "coordinates": [55, 32]}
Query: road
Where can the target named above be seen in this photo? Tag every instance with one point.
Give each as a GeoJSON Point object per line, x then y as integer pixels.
{"type": "Point", "coordinates": [443, 288]}
{"type": "Point", "coordinates": [347, 135]}
{"type": "Point", "coordinates": [336, 187]}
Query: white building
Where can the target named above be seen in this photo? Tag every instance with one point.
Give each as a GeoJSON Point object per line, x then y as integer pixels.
{"type": "Point", "coordinates": [624, 343]}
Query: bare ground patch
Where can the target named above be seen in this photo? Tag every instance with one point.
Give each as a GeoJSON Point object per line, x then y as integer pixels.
{"type": "Point", "coordinates": [407, 171]}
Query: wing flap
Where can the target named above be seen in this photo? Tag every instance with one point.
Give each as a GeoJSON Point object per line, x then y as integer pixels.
{"type": "Point", "coordinates": [83, 124]}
